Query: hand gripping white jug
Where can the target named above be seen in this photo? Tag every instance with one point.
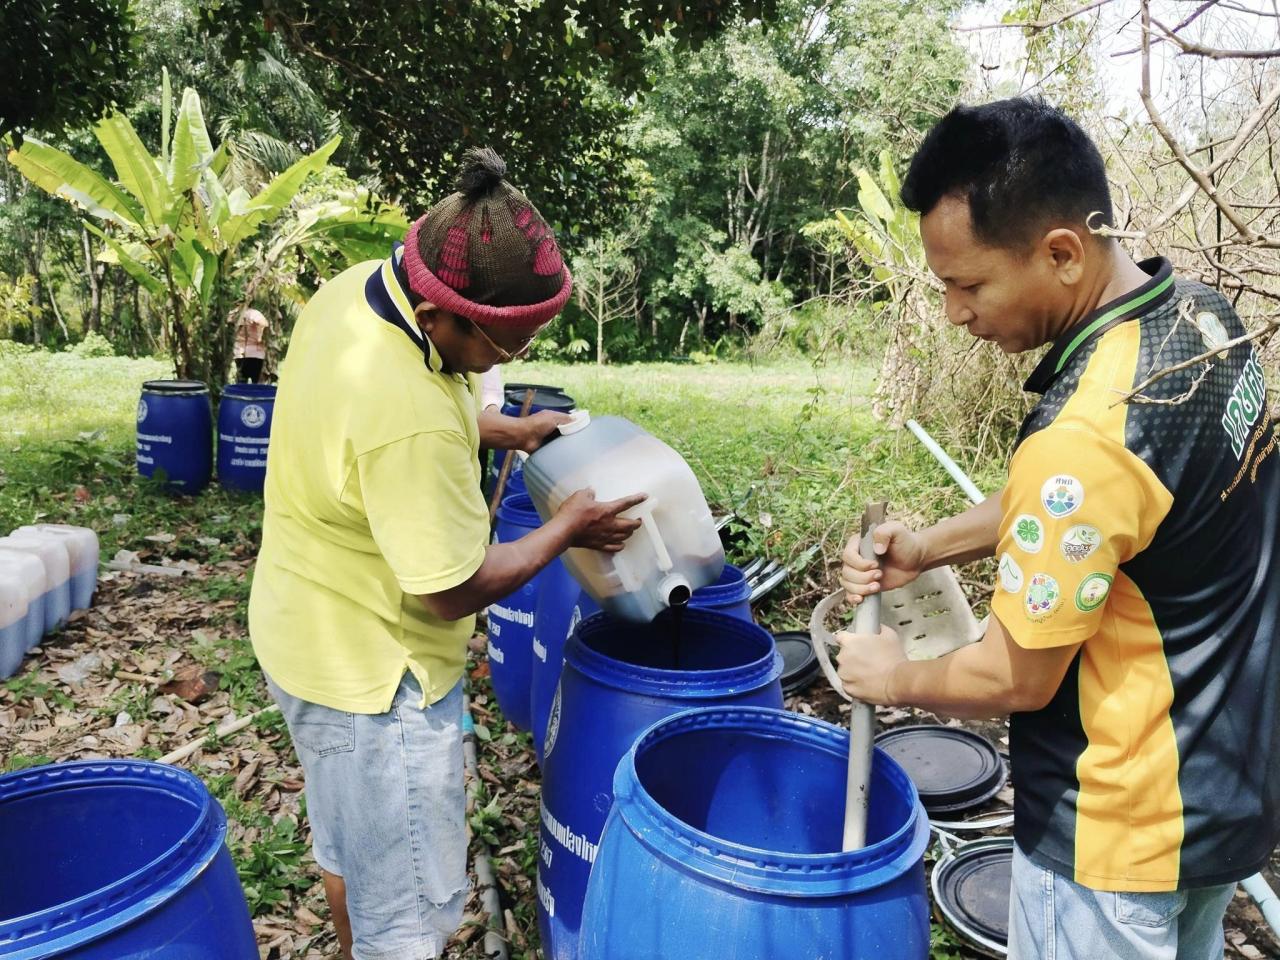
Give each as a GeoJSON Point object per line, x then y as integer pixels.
{"type": "Point", "coordinates": [676, 550]}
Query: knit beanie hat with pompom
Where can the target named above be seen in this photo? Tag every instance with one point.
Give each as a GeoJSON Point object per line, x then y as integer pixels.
{"type": "Point", "coordinates": [486, 254]}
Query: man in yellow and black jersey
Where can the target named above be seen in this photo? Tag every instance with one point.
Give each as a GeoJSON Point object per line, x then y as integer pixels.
{"type": "Point", "coordinates": [1133, 635]}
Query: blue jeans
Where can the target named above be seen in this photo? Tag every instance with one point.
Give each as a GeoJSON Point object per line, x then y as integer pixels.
{"type": "Point", "coordinates": [386, 803]}
{"type": "Point", "coordinates": [1053, 918]}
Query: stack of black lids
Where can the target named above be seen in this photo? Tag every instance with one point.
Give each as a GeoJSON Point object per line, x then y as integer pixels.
{"type": "Point", "coordinates": [954, 770]}
{"type": "Point", "coordinates": [799, 662]}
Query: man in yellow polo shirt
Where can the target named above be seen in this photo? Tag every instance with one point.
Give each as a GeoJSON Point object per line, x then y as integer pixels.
{"type": "Point", "coordinates": [1133, 633]}
{"type": "Point", "coordinates": [375, 548]}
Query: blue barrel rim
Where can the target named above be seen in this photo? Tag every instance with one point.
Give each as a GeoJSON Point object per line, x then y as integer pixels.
{"type": "Point", "coordinates": [750, 868]}
{"type": "Point", "coordinates": [731, 587]}
{"type": "Point", "coordinates": [252, 392]}
{"type": "Point", "coordinates": [518, 509]}
{"type": "Point", "coordinates": [100, 912]}
{"type": "Point", "coordinates": [702, 684]}
{"type": "Point", "coordinates": [175, 387]}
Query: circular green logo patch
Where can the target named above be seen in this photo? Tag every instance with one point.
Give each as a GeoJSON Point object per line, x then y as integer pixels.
{"type": "Point", "coordinates": [1092, 591]}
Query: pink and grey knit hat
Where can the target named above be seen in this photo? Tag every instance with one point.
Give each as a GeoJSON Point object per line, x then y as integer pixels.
{"type": "Point", "coordinates": [486, 254]}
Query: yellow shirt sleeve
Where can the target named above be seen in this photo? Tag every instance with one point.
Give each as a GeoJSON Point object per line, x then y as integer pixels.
{"type": "Point", "coordinates": [426, 513]}
{"type": "Point", "coordinates": [1076, 507]}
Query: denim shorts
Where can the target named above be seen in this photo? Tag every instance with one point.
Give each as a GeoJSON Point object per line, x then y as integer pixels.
{"type": "Point", "coordinates": [386, 803]}
{"type": "Point", "coordinates": [1054, 918]}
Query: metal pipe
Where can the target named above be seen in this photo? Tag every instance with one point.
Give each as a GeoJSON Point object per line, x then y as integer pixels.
{"type": "Point", "coordinates": [959, 476]}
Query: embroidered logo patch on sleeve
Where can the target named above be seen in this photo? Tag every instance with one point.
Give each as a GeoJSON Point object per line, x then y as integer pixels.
{"type": "Point", "coordinates": [1028, 533]}
{"type": "Point", "coordinates": [1062, 495]}
{"type": "Point", "coordinates": [1092, 592]}
{"type": "Point", "coordinates": [1043, 596]}
{"type": "Point", "coordinates": [1080, 541]}
{"type": "Point", "coordinates": [1010, 574]}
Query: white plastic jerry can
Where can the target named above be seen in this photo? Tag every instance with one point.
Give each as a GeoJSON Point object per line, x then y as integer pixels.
{"type": "Point", "coordinates": [82, 547]}
{"type": "Point", "coordinates": [53, 553]}
{"type": "Point", "coordinates": [676, 551]}
{"type": "Point", "coordinates": [14, 605]}
{"type": "Point", "coordinates": [26, 572]}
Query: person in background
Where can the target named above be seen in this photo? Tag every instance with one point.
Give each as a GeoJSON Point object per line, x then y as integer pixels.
{"type": "Point", "coordinates": [375, 550]}
{"type": "Point", "coordinates": [1135, 622]}
{"type": "Point", "coordinates": [251, 345]}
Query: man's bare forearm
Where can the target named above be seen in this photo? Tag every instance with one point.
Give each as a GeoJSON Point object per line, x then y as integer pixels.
{"type": "Point", "coordinates": [971, 535]}
{"type": "Point", "coordinates": [507, 567]}
{"type": "Point", "coordinates": [500, 432]}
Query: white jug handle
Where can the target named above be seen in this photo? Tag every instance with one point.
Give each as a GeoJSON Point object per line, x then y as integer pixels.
{"type": "Point", "coordinates": [651, 528]}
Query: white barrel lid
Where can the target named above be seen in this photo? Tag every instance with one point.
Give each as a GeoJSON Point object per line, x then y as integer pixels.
{"type": "Point", "coordinates": [580, 420]}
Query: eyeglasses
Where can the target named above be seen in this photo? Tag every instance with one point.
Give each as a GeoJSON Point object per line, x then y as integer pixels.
{"type": "Point", "coordinates": [505, 356]}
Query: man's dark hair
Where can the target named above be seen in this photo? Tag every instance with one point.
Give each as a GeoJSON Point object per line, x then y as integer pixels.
{"type": "Point", "coordinates": [1022, 165]}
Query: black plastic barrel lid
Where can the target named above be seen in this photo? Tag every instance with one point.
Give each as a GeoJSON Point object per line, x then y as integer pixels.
{"type": "Point", "coordinates": [972, 888]}
{"type": "Point", "coordinates": [799, 662]}
{"type": "Point", "coordinates": [953, 769]}
{"type": "Point", "coordinates": [174, 386]}
{"type": "Point", "coordinates": [544, 396]}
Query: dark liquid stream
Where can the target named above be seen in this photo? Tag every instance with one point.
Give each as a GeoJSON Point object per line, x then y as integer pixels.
{"type": "Point", "coordinates": [677, 627]}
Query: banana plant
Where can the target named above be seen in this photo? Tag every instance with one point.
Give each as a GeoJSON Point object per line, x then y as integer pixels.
{"type": "Point", "coordinates": [171, 222]}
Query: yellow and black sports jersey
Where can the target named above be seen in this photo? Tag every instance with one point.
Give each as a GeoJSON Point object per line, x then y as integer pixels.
{"type": "Point", "coordinates": [1146, 529]}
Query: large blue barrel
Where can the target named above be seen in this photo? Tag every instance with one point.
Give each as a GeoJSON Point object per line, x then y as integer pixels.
{"type": "Point", "coordinates": [618, 679]}
{"type": "Point", "coordinates": [730, 594]}
{"type": "Point", "coordinates": [511, 620]}
{"type": "Point", "coordinates": [724, 841]}
{"type": "Point", "coordinates": [175, 433]}
{"type": "Point", "coordinates": [244, 429]}
{"type": "Point", "coordinates": [562, 605]}
{"type": "Point", "coordinates": [111, 859]}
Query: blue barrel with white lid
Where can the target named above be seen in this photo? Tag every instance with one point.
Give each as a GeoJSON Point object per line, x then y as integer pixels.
{"type": "Point", "coordinates": [725, 841]}
{"type": "Point", "coordinates": [25, 571]}
{"type": "Point", "coordinates": [175, 434]}
{"type": "Point", "coordinates": [113, 859]}
{"type": "Point", "coordinates": [510, 621]}
{"type": "Point", "coordinates": [83, 550]}
{"type": "Point", "coordinates": [619, 678]}
{"type": "Point", "coordinates": [244, 433]}
{"type": "Point", "coordinates": [53, 554]}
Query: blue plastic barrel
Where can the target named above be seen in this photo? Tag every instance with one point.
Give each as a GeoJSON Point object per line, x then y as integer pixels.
{"type": "Point", "coordinates": [562, 605]}
{"type": "Point", "coordinates": [618, 679]}
{"type": "Point", "coordinates": [108, 859]}
{"type": "Point", "coordinates": [244, 428]}
{"type": "Point", "coordinates": [175, 433]}
{"type": "Point", "coordinates": [511, 620]}
{"type": "Point", "coordinates": [730, 594]}
{"type": "Point", "coordinates": [724, 841]}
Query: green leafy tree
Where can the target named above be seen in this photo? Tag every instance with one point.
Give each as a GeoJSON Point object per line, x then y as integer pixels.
{"type": "Point", "coordinates": [171, 222]}
{"type": "Point", "coordinates": [539, 80]}
{"type": "Point", "coordinates": [65, 60]}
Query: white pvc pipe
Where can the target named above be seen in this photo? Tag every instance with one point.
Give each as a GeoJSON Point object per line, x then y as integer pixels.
{"type": "Point", "coordinates": [1258, 888]}
{"type": "Point", "coordinates": [959, 476]}
{"type": "Point", "coordinates": [862, 724]}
